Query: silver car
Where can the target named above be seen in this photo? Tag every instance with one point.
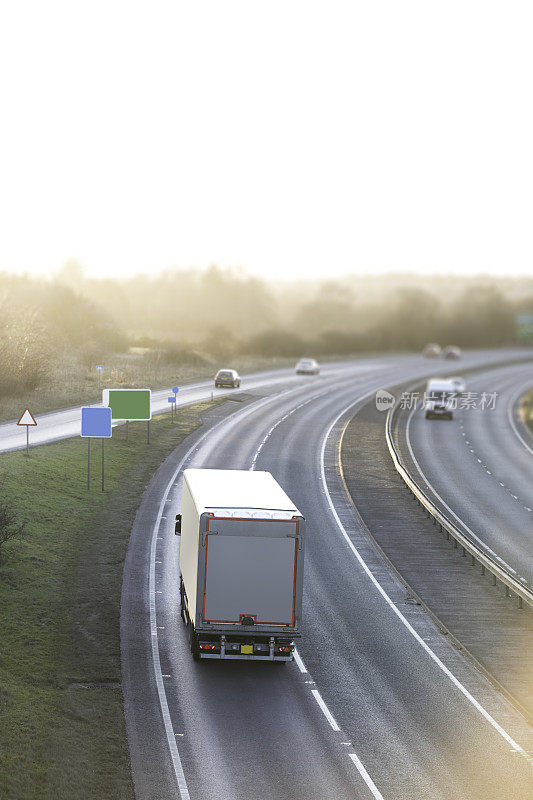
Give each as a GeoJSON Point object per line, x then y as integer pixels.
{"type": "Point", "coordinates": [307, 366]}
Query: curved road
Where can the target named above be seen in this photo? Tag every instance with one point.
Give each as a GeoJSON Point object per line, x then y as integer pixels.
{"type": "Point", "coordinates": [380, 707]}
{"type": "Point", "coordinates": [479, 467]}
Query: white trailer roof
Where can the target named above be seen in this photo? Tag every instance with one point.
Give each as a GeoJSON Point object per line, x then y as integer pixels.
{"type": "Point", "coordinates": [217, 489]}
{"type": "Point", "coordinates": [440, 385]}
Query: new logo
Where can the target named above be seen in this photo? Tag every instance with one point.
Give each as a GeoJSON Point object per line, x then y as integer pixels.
{"type": "Point", "coordinates": [384, 400]}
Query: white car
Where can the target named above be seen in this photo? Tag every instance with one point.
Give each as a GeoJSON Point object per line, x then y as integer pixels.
{"type": "Point", "coordinates": [307, 366]}
{"type": "Point", "coordinates": [439, 398]}
{"type": "Point", "coordinates": [432, 350]}
{"type": "Point", "coordinates": [227, 377]}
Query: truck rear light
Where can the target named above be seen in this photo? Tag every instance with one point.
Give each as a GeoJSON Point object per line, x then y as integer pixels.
{"type": "Point", "coordinates": [287, 649]}
{"type": "Point", "coordinates": [209, 646]}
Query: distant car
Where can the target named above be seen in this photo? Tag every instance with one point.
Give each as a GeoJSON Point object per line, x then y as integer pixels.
{"type": "Point", "coordinates": [227, 377]}
{"type": "Point", "coordinates": [452, 352]}
{"type": "Point", "coordinates": [459, 384]}
{"type": "Point", "coordinates": [432, 350]}
{"type": "Point", "coordinates": [307, 366]}
{"type": "Point", "coordinates": [439, 398]}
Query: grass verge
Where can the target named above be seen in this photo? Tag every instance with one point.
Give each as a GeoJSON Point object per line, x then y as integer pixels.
{"type": "Point", "coordinates": [62, 730]}
{"type": "Point", "coordinates": [526, 409]}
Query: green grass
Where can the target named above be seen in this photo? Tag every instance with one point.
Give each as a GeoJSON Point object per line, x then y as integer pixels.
{"type": "Point", "coordinates": [62, 730]}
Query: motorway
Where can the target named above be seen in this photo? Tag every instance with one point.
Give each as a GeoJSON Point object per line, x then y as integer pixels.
{"type": "Point", "coordinates": [377, 705]}
{"type": "Point", "coordinates": [478, 467]}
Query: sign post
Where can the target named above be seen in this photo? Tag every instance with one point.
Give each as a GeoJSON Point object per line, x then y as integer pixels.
{"type": "Point", "coordinates": [95, 423]}
{"type": "Point", "coordinates": [99, 369]}
{"type": "Point", "coordinates": [175, 389]}
{"type": "Point", "coordinates": [172, 401]}
{"type": "Point", "coordinates": [28, 420]}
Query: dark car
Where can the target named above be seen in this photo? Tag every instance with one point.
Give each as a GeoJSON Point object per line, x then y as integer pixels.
{"type": "Point", "coordinates": [227, 377]}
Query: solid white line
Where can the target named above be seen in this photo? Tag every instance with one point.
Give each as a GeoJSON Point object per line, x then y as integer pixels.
{"type": "Point", "coordinates": [366, 777]}
{"type": "Point", "coordinates": [399, 614]}
{"type": "Point", "coordinates": [325, 710]}
{"type": "Point", "coordinates": [176, 760]}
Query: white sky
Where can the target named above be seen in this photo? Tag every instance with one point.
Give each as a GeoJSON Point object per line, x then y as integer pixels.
{"type": "Point", "coordinates": [291, 138]}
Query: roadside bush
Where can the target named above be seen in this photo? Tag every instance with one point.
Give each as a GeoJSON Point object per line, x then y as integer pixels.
{"type": "Point", "coordinates": [274, 343]}
{"type": "Point", "coordinates": [24, 359]}
{"type": "Point", "coordinates": [180, 355]}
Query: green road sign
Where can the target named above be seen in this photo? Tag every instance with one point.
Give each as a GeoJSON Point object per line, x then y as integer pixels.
{"type": "Point", "coordinates": [129, 404]}
{"type": "Point", "coordinates": [524, 327]}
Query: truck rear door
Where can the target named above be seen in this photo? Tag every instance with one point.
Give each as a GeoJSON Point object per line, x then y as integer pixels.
{"type": "Point", "coordinates": [250, 570]}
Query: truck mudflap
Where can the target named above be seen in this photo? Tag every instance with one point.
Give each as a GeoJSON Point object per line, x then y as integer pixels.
{"type": "Point", "coordinates": [250, 650]}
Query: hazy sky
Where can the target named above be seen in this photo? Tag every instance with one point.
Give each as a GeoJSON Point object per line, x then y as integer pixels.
{"type": "Point", "coordinates": [295, 138]}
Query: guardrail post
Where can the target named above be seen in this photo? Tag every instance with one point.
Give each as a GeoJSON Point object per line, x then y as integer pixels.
{"type": "Point", "coordinates": [473, 561]}
{"type": "Point", "coordinates": [494, 580]}
{"type": "Point", "coordinates": [520, 604]}
{"type": "Point", "coordinates": [455, 544]}
{"type": "Point", "coordinates": [483, 569]}
{"type": "Point", "coordinates": [464, 551]}
{"type": "Point", "coordinates": [507, 592]}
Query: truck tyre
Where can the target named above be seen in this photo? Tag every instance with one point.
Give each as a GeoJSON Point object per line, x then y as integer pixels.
{"type": "Point", "coordinates": [193, 643]}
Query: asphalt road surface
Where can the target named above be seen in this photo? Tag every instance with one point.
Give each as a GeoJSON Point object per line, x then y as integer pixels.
{"type": "Point", "coordinates": [377, 705]}
{"type": "Point", "coordinates": [479, 467]}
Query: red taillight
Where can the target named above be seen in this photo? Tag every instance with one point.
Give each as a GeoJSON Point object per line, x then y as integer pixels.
{"type": "Point", "coordinates": [206, 646]}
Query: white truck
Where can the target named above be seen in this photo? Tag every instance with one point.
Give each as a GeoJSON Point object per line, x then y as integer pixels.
{"type": "Point", "coordinates": [241, 565]}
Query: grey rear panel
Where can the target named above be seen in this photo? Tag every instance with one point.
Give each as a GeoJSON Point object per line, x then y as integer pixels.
{"type": "Point", "coordinates": [251, 569]}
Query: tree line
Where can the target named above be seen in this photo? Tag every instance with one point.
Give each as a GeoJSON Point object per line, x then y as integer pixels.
{"type": "Point", "coordinates": [190, 314]}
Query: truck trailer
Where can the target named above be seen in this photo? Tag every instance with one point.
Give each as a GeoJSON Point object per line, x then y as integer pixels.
{"type": "Point", "coordinates": [241, 565]}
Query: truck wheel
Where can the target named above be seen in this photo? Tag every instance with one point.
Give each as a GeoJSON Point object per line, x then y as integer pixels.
{"type": "Point", "coordinates": [193, 643]}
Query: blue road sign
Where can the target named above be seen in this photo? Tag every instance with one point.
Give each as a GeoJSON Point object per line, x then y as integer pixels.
{"type": "Point", "coordinates": [99, 367]}
{"type": "Point", "coordinates": [96, 422]}
{"type": "Point", "coordinates": [171, 399]}
{"type": "Point", "coordinates": [175, 389]}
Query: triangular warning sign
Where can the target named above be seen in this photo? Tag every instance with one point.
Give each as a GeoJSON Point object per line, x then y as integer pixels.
{"type": "Point", "coordinates": [27, 418]}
